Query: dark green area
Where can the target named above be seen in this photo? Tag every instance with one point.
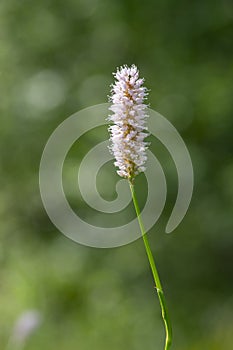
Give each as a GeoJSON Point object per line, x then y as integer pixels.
{"type": "Point", "coordinates": [57, 57]}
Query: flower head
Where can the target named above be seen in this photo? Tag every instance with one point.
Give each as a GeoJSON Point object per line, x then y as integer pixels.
{"type": "Point", "coordinates": [128, 131]}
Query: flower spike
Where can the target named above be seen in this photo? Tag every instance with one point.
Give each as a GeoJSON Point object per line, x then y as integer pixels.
{"type": "Point", "coordinates": [128, 131]}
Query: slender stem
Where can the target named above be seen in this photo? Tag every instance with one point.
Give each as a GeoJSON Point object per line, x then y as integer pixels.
{"type": "Point", "coordinates": [155, 274]}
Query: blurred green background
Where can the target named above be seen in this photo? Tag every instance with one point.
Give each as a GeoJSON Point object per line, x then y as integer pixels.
{"type": "Point", "coordinates": [56, 57]}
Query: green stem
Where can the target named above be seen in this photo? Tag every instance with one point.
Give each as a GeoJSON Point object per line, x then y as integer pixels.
{"type": "Point", "coordinates": [158, 285]}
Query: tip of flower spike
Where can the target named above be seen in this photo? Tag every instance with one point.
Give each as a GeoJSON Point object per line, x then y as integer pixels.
{"type": "Point", "coordinates": [127, 73]}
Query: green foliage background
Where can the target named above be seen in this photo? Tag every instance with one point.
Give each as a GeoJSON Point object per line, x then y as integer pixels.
{"type": "Point", "coordinates": [56, 57]}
